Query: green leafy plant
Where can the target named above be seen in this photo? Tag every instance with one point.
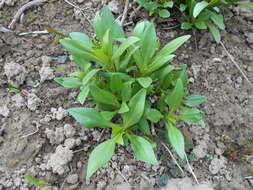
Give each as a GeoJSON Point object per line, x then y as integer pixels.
{"type": "Point", "coordinates": [157, 7]}
{"type": "Point", "coordinates": [35, 181]}
{"type": "Point", "coordinates": [121, 75]}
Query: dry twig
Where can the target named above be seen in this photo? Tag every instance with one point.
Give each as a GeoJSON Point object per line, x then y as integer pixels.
{"type": "Point", "coordinates": [173, 158]}
{"type": "Point", "coordinates": [37, 129]}
{"type": "Point", "coordinates": [135, 12]}
{"type": "Point", "coordinates": [124, 13]}
{"type": "Point", "coordinates": [21, 11]}
{"type": "Point", "coordinates": [121, 174]}
{"type": "Point", "coordinates": [233, 60]}
{"type": "Point", "coordinates": [33, 32]}
{"type": "Point", "coordinates": [191, 170]}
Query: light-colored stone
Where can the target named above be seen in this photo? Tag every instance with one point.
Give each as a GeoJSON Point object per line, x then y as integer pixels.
{"type": "Point", "coordinates": [33, 102]}
{"type": "Point", "coordinates": [217, 164]}
{"type": "Point", "coordinates": [4, 111]}
{"type": "Point", "coordinates": [72, 179]}
{"type": "Point", "coordinates": [69, 130]}
{"type": "Point", "coordinates": [15, 73]}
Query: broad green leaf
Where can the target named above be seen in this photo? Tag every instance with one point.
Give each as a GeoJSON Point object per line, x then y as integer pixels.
{"type": "Point", "coordinates": [143, 149]}
{"type": "Point", "coordinates": [117, 135]}
{"type": "Point", "coordinates": [107, 44]}
{"type": "Point", "coordinates": [104, 21]}
{"type": "Point", "coordinates": [163, 13]}
{"type": "Point", "coordinates": [145, 82]}
{"type": "Point", "coordinates": [69, 82]}
{"type": "Point", "coordinates": [126, 92]}
{"type": "Point", "coordinates": [176, 140]}
{"type": "Point", "coordinates": [116, 83]}
{"type": "Point", "coordinates": [215, 32]}
{"type": "Point", "coordinates": [153, 115]}
{"type": "Point", "coordinates": [194, 100]}
{"type": "Point", "coordinates": [124, 108]}
{"type": "Point", "coordinates": [89, 75]}
{"type": "Point", "coordinates": [218, 20]}
{"type": "Point", "coordinates": [191, 115]}
{"type": "Point", "coordinates": [174, 99]}
{"type": "Point", "coordinates": [168, 4]}
{"type": "Point", "coordinates": [201, 25]}
{"type": "Point", "coordinates": [82, 63]}
{"type": "Point", "coordinates": [103, 96]}
{"type": "Point", "coordinates": [100, 156]}
{"type": "Point", "coordinates": [182, 7]}
{"type": "Point", "coordinates": [126, 44]}
{"type": "Point", "coordinates": [107, 115]}
{"type": "Point", "coordinates": [199, 7]}
{"type": "Point", "coordinates": [173, 45]}
{"type": "Point", "coordinates": [82, 39]}
{"type": "Point", "coordinates": [159, 61]}
{"type": "Point", "coordinates": [89, 117]}
{"type": "Point", "coordinates": [77, 74]}
{"type": "Point", "coordinates": [136, 109]}
{"type": "Point", "coordinates": [144, 126]}
{"type": "Point", "coordinates": [186, 26]}
{"type": "Point", "coordinates": [35, 181]}
{"type": "Point", "coordinates": [83, 94]}
{"type": "Point", "coordinates": [139, 29]}
{"type": "Point", "coordinates": [148, 46]}
{"type": "Point", "coordinates": [77, 50]}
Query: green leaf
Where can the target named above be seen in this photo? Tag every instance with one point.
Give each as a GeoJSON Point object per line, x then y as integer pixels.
{"type": "Point", "coordinates": [89, 75]}
{"type": "Point", "coordinates": [182, 7]}
{"type": "Point", "coordinates": [153, 115]}
{"type": "Point", "coordinates": [201, 25]}
{"type": "Point", "coordinates": [176, 140]}
{"type": "Point", "coordinates": [215, 32]}
{"type": "Point", "coordinates": [163, 13]}
{"type": "Point", "coordinates": [107, 115]}
{"type": "Point", "coordinates": [83, 94]}
{"type": "Point", "coordinates": [145, 82]}
{"type": "Point", "coordinates": [143, 149]}
{"type": "Point", "coordinates": [144, 126]}
{"type": "Point", "coordinates": [103, 96]}
{"type": "Point", "coordinates": [191, 115]}
{"type": "Point", "coordinates": [82, 39]}
{"type": "Point", "coordinates": [126, 92]}
{"type": "Point", "coordinates": [173, 45]}
{"type": "Point", "coordinates": [100, 156]}
{"type": "Point", "coordinates": [35, 181]}
{"type": "Point", "coordinates": [168, 4]}
{"type": "Point", "coordinates": [104, 21]}
{"type": "Point", "coordinates": [116, 83]}
{"type": "Point", "coordinates": [159, 61]}
{"type": "Point", "coordinates": [126, 44]}
{"type": "Point", "coordinates": [194, 100]}
{"type": "Point", "coordinates": [186, 26]}
{"type": "Point", "coordinates": [117, 135]}
{"type": "Point", "coordinates": [89, 117]}
{"type": "Point", "coordinates": [218, 20]}
{"type": "Point", "coordinates": [124, 108]}
{"type": "Point", "coordinates": [136, 109]}
{"type": "Point", "coordinates": [69, 82]}
{"type": "Point", "coordinates": [149, 42]}
{"type": "Point", "coordinates": [174, 99]}
{"type": "Point", "coordinates": [199, 7]}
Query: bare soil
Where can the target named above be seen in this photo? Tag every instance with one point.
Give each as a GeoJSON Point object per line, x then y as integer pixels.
{"type": "Point", "coordinates": [38, 138]}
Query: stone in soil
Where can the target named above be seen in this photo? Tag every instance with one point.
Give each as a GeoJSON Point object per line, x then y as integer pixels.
{"type": "Point", "coordinates": [72, 179]}
{"type": "Point", "coordinates": [15, 73]}
{"type": "Point", "coordinates": [59, 160]}
{"type": "Point", "coordinates": [4, 111]}
{"type": "Point", "coordinates": [217, 164]}
{"type": "Point", "coordinates": [59, 113]}
{"type": "Point", "coordinates": [33, 101]}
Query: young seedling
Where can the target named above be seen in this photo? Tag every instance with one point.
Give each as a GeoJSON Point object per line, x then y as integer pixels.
{"type": "Point", "coordinates": [121, 75]}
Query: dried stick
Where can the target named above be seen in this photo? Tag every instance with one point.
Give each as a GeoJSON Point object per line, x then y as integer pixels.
{"type": "Point", "coordinates": [191, 170]}
{"type": "Point", "coordinates": [174, 159]}
{"type": "Point", "coordinates": [124, 13]}
{"type": "Point", "coordinates": [22, 9]}
{"type": "Point", "coordinates": [233, 61]}
{"type": "Point", "coordinates": [24, 136]}
{"type": "Point", "coordinates": [135, 12]}
{"type": "Point", "coordinates": [121, 174]}
{"type": "Point", "coordinates": [33, 32]}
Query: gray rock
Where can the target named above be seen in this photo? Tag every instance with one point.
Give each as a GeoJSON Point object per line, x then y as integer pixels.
{"type": "Point", "coordinates": [18, 100]}
{"type": "Point", "coordinates": [244, 11]}
{"type": "Point", "coordinates": [72, 179]}
{"type": "Point", "coordinates": [4, 111]}
{"type": "Point", "coordinates": [59, 113]}
{"type": "Point", "coordinates": [59, 160]}
{"type": "Point", "coordinates": [15, 73]}
{"type": "Point", "coordinates": [46, 73]}
{"type": "Point", "coordinates": [114, 6]}
{"type": "Point", "coordinates": [70, 143]}
{"type": "Point", "coordinates": [249, 38]}
{"type": "Point", "coordinates": [69, 130]}
{"type": "Point", "coordinates": [33, 102]}
{"type": "Point", "coordinates": [55, 137]}
{"type": "Point", "coordinates": [217, 164]}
